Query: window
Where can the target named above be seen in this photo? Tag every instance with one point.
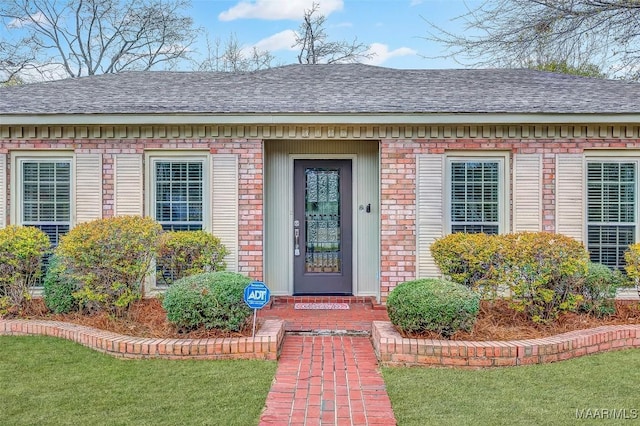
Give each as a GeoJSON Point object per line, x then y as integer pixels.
{"type": "Point", "coordinates": [611, 210]}
{"type": "Point", "coordinates": [44, 191]}
{"type": "Point", "coordinates": [476, 195]}
{"type": "Point", "coordinates": [178, 185]}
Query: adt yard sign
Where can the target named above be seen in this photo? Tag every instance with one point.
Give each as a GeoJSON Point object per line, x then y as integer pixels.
{"type": "Point", "coordinates": [256, 295]}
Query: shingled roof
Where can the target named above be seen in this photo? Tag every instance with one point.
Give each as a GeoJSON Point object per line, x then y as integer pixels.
{"type": "Point", "coordinates": [325, 89]}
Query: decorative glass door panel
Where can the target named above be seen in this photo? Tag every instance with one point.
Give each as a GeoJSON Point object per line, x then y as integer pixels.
{"type": "Point", "coordinates": [322, 220]}
{"type": "Point", "coordinates": [322, 226]}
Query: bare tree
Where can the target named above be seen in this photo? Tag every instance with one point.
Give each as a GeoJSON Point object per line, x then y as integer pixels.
{"type": "Point", "coordinates": [14, 58]}
{"type": "Point", "coordinates": [312, 40]}
{"type": "Point", "coordinates": [579, 33]}
{"type": "Point", "coordinates": [231, 56]}
{"type": "Point", "coordinates": [86, 37]}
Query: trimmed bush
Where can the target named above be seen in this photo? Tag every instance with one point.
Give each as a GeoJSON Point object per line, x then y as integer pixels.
{"type": "Point", "coordinates": [213, 300]}
{"type": "Point", "coordinates": [430, 304]}
{"type": "Point", "coordinates": [544, 272]}
{"type": "Point", "coordinates": [599, 289]}
{"type": "Point", "coordinates": [632, 260]}
{"type": "Point", "coordinates": [22, 249]}
{"type": "Point", "coordinates": [110, 258]}
{"type": "Point", "coordinates": [59, 287]}
{"type": "Point", "coordinates": [184, 253]}
{"type": "Point", "coordinates": [468, 259]}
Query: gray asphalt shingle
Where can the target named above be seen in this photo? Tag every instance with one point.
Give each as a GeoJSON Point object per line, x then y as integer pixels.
{"type": "Point", "coordinates": [325, 89]}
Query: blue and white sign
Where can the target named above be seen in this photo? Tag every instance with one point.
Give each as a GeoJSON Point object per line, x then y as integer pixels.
{"type": "Point", "coordinates": [256, 295]}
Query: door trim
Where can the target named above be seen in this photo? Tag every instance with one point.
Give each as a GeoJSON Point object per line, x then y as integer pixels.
{"type": "Point", "coordinates": [354, 212]}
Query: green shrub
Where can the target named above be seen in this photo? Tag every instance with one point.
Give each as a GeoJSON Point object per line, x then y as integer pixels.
{"type": "Point", "coordinates": [213, 300]}
{"type": "Point", "coordinates": [184, 253]}
{"type": "Point", "coordinates": [599, 289]}
{"type": "Point", "coordinates": [632, 260]}
{"type": "Point", "coordinates": [430, 304]}
{"type": "Point", "coordinates": [110, 258]}
{"type": "Point", "coordinates": [543, 271]}
{"type": "Point", "coordinates": [59, 287]}
{"type": "Point", "coordinates": [21, 251]}
{"type": "Point", "coordinates": [468, 259]}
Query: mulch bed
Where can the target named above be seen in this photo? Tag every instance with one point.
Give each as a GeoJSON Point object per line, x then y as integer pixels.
{"type": "Point", "coordinates": [496, 321]}
{"type": "Point", "coordinates": [146, 318]}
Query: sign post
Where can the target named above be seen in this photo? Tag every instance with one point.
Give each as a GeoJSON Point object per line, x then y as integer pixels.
{"type": "Point", "coordinates": [256, 295]}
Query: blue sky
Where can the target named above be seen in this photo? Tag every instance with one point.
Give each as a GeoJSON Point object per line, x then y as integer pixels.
{"type": "Point", "coordinates": [395, 29]}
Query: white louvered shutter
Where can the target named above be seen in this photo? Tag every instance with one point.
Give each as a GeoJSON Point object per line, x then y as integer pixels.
{"type": "Point", "coordinates": [88, 187]}
{"type": "Point", "coordinates": [128, 185]}
{"type": "Point", "coordinates": [527, 192]}
{"type": "Point", "coordinates": [224, 204]}
{"type": "Point", "coordinates": [3, 190]}
{"type": "Point", "coordinates": [430, 210]}
{"type": "Point", "coordinates": [569, 196]}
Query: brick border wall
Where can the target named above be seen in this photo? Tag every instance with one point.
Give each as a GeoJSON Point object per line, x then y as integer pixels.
{"type": "Point", "coordinates": [393, 349]}
{"type": "Point", "coordinates": [265, 345]}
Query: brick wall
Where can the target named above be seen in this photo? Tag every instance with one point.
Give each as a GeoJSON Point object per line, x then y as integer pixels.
{"type": "Point", "coordinates": [398, 188]}
{"type": "Point", "coordinates": [250, 162]}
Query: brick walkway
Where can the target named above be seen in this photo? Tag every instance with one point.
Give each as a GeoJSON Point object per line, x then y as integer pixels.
{"type": "Point", "coordinates": [327, 379]}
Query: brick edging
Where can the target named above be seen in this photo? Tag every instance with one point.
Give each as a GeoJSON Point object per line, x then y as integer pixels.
{"type": "Point", "coordinates": [265, 345]}
{"type": "Point", "coordinates": [393, 349]}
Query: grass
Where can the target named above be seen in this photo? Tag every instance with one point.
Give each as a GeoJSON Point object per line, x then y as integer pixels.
{"type": "Point", "coordinates": [546, 394]}
{"type": "Point", "coordinates": [49, 381]}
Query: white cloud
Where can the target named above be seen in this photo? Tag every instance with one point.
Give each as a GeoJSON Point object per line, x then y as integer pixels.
{"type": "Point", "coordinates": [416, 2]}
{"type": "Point", "coordinates": [37, 17]}
{"type": "Point", "coordinates": [283, 40]}
{"type": "Point", "coordinates": [277, 9]}
{"type": "Point", "coordinates": [381, 53]}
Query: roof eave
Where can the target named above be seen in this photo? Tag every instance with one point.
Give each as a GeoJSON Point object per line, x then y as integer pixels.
{"type": "Point", "coordinates": [315, 118]}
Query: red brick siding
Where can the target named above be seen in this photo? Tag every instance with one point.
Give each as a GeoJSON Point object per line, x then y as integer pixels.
{"type": "Point", "coordinates": [249, 152]}
{"type": "Point", "coordinates": [397, 189]}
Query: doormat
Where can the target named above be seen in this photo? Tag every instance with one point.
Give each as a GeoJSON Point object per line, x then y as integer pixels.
{"type": "Point", "coordinates": [326, 306]}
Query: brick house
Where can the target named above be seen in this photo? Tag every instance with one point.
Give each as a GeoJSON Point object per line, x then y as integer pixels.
{"type": "Point", "coordinates": [328, 179]}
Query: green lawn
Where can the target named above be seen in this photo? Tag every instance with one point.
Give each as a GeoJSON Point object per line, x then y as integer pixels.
{"type": "Point", "coordinates": [49, 381]}
{"type": "Point", "coordinates": [533, 395]}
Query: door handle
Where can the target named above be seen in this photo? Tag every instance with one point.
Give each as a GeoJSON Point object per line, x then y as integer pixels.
{"type": "Point", "coordinates": [296, 248]}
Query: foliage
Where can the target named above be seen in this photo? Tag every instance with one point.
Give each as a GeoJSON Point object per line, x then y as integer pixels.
{"type": "Point", "coordinates": [599, 289]}
{"type": "Point", "coordinates": [213, 300]}
{"type": "Point", "coordinates": [632, 260]}
{"type": "Point", "coordinates": [21, 251]}
{"type": "Point", "coordinates": [76, 38]}
{"type": "Point", "coordinates": [59, 287]}
{"type": "Point", "coordinates": [543, 272]}
{"type": "Point", "coordinates": [311, 39]}
{"type": "Point", "coordinates": [430, 304]}
{"type": "Point", "coordinates": [562, 67]}
{"type": "Point", "coordinates": [517, 33]}
{"type": "Point", "coordinates": [183, 253]}
{"type": "Point", "coordinates": [110, 258]}
{"type": "Point", "coordinates": [468, 259]}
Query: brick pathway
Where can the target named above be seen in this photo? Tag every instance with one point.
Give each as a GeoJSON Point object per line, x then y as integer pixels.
{"type": "Point", "coordinates": [327, 379]}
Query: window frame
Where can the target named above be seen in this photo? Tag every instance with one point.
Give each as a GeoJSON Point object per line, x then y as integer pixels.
{"type": "Point", "coordinates": [151, 158]}
{"type": "Point", "coordinates": [17, 187]}
{"type": "Point", "coordinates": [611, 157]}
{"type": "Point", "coordinates": [504, 190]}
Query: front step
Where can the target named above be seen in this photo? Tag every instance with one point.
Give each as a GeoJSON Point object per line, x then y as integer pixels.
{"type": "Point", "coordinates": [319, 299]}
{"type": "Point", "coordinates": [353, 333]}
